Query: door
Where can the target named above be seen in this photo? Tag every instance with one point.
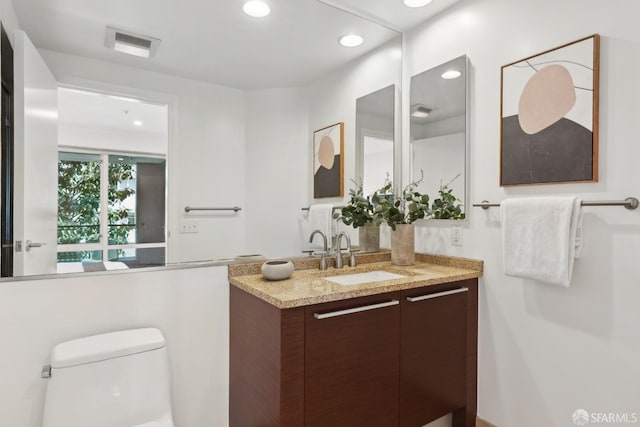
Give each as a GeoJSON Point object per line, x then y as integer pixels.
{"type": "Point", "coordinates": [351, 362]}
{"type": "Point", "coordinates": [433, 353]}
{"type": "Point", "coordinates": [6, 159]}
{"type": "Point", "coordinates": [36, 160]}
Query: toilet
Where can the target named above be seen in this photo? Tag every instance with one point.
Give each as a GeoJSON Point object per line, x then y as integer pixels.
{"type": "Point", "coordinates": [117, 379]}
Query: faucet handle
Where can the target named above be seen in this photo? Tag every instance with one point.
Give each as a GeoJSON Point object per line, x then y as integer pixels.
{"type": "Point", "coordinates": [323, 259]}
{"type": "Point", "coordinates": [352, 259]}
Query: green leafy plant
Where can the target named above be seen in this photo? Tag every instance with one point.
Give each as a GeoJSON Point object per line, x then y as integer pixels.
{"type": "Point", "coordinates": [447, 206]}
{"type": "Point", "coordinates": [410, 206]}
{"type": "Point", "coordinates": [359, 211]}
{"type": "Point", "coordinates": [79, 204]}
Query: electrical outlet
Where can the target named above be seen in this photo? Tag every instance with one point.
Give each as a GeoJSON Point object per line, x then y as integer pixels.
{"type": "Point", "coordinates": [188, 227]}
{"type": "Point", "coordinates": [456, 236]}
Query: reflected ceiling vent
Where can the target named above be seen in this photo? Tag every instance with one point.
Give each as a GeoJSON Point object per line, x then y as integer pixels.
{"type": "Point", "coordinates": [419, 111]}
{"type": "Point", "coordinates": [131, 43]}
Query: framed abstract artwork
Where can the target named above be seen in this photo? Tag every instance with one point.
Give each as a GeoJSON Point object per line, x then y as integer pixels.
{"type": "Point", "coordinates": [549, 116]}
{"type": "Point", "coordinates": [328, 161]}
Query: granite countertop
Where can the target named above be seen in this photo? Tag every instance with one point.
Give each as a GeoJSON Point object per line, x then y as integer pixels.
{"type": "Point", "coordinates": [308, 285]}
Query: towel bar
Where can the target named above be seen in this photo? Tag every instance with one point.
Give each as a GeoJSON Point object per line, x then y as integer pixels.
{"type": "Point", "coordinates": [190, 208]}
{"type": "Point", "coordinates": [629, 203]}
{"type": "Point", "coordinates": [334, 208]}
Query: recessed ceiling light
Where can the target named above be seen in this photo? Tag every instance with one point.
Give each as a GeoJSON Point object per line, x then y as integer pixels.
{"type": "Point", "coordinates": [451, 74]}
{"type": "Point", "coordinates": [351, 40]}
{"type": "Point", "coordinates": [416, 3]}
{"type": "Point", "coordinates": [256, 8]}
{"type": "Point", "coordinates": [137, 123]}
{"type": "Point", "coordinates": [420, 111]}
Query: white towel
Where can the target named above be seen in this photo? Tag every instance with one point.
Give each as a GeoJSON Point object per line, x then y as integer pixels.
{"type": "Point", "coordinates": [541, 236]}
{"type": "Point", "coordinates": [321, 218]}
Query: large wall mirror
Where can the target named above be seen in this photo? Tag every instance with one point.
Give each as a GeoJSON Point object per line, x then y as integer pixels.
{"type": "Point", "coordinates": [140, 220]}
{"type": "Point", "coordinates": [439, 129]}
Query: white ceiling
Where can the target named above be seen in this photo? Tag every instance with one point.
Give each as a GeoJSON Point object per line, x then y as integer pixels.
{"type": "Point", "coordinates": [380, 103]}
{"type": "Point", "coordinates": [392, 13]}
{"type": "Point", "coordinates": [100, 111]}
{"type": "Point", "coordinates": [213, 40]}
{"type": "Point", "coordinates": [447, 98]}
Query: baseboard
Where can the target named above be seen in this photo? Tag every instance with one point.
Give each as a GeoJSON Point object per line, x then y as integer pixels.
{"type": "Point", "coordinates": [482, 423]}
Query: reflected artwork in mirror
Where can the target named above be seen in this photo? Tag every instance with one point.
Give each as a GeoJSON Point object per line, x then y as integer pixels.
{"type": "Point", "coordinates": [439, 136]}
{"type": "Point", "coordinates": [375, 138]}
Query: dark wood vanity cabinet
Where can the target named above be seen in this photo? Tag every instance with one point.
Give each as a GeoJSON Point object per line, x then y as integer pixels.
{"type": "Point", "coordinates": [393, 359]}
{"type": "Point", "coordinates": [351, 362]}
{"type": "Point", "coordinates": [437, 352]}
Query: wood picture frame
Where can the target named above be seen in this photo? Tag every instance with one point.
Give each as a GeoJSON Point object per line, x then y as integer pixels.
{"type": "Point", "coordinates": [549, 116]}
{"type": "Point", "coordinates": [328, 161]}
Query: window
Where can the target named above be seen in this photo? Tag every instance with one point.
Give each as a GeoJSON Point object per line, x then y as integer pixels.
{"type": "Point", "coordinates": [111, 207]}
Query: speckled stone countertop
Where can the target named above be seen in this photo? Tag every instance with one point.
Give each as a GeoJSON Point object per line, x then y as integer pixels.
{"type": "Point", "coordinates": [307, 285]}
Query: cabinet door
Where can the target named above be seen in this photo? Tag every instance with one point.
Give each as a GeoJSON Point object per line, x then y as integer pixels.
{"type": "Point", "coordinates": [352, 363]}
{"type": "Point", "coordinates": [433, 353]}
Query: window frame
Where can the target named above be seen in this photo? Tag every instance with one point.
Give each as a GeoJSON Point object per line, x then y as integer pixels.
{"type": "Point", "coordinates": [103, 243]}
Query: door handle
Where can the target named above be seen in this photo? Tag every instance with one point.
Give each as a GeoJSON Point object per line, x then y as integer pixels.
{"type": "Point", "coordinates": [321, 316]}
{"type": "Point", "coordinates": [437, 295]}
{"type": "Point", "coordinates": [31, 244]}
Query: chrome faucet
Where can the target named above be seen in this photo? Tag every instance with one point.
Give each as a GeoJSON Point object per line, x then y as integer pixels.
{"type": "Point", "coordinates": [323, 260]}
{"type": "Point", "coordinates": [352, 257]}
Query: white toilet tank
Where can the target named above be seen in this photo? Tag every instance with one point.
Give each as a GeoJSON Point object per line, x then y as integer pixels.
{"type": "Point", "coordinates": [118, 379]}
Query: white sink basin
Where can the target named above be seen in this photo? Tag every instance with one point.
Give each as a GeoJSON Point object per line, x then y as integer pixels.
{"type": "Point", "coordinates": [368, 277]}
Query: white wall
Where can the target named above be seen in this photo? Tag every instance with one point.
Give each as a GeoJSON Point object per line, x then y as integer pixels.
{"type": "Point", "coordinates": [277, 170]}
{"type": "Point", "coordinates": [545, 351]}
{"type": "Point", "coordinates": [440, 159]}
{"type": "Point", "coordinates": [96, 138]}
{"type": "Point", "coordinates": [446, 126]}
{"type": "Point", "coordinates": [376, 164]}
{"type": "Point", "coordinates": [206, 153]}
{"type": "Point", "coordinates": [190, 306]}
{"type": "Point", "coordinates": [333, 99]}
{"type": "Point", "coordinates": [9, 18]}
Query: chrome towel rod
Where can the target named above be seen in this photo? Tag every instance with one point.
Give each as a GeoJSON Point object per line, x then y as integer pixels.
{"type": "Point", "coordinates": [190, 208]}
{"type": "Point", "coordinates": [629, 203]}
{"type": "Point", "coordinates": [334, 208]}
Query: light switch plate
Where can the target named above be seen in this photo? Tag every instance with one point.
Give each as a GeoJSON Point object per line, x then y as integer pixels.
{"type": "Point", "coordinates": [188, 227]}
{"type": "Point", "coordinates": [456, 236]}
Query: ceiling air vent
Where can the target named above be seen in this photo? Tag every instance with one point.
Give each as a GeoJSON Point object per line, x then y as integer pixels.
{"type": "Point", "coordinates": [420, 111]}
{"type": "Point", "coordinates": [131, 43]}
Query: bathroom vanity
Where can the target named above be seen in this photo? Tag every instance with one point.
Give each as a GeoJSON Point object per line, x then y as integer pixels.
{"type": "Point", "coordinates": [397, 348]}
